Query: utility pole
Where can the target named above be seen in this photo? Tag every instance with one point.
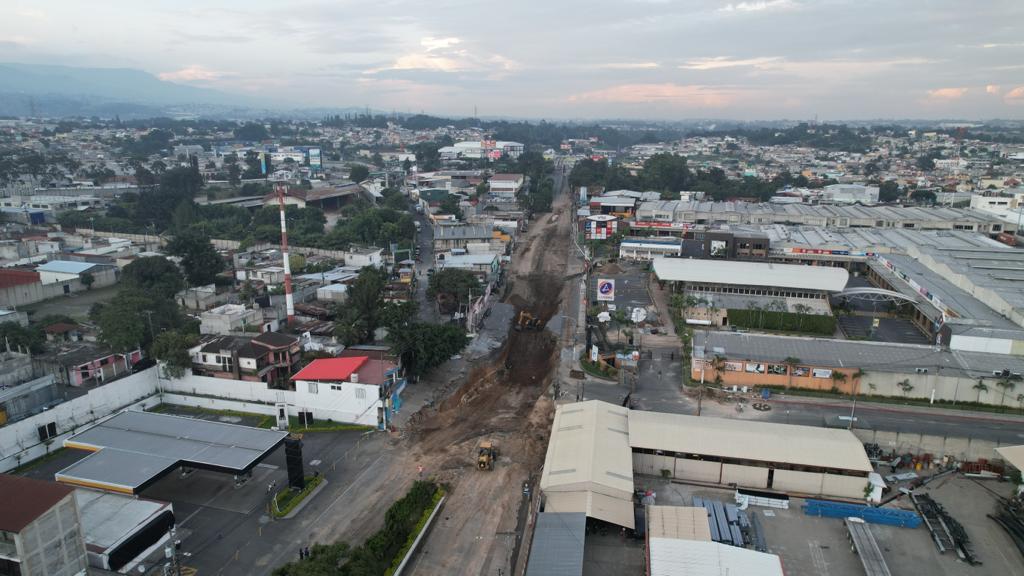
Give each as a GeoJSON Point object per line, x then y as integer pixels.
{"type": "Point", "coordinates": [703, 365]}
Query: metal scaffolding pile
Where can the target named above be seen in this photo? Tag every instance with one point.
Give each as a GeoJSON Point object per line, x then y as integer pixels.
{"type": "Point", "coordinates": [947, 533]}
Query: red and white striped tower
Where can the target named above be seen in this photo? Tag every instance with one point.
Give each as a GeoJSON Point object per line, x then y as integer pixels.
{"type": "Point", "coordinates": [288, 300]}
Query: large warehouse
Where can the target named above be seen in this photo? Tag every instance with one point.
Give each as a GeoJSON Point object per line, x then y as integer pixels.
{"type": "Point", "coordinates": [753, 278]}
{"type": "Point", "coordinates": [596, 447]}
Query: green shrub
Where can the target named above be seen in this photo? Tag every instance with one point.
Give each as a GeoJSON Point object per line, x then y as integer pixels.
{"type": "Point", "coordinates": [783, 321]}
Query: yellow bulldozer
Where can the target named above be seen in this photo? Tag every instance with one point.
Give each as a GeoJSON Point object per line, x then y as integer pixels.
{"type": "Point", "coordinates": [486, 456]}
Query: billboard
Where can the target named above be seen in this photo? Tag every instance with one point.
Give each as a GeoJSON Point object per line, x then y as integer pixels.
{"type": "Point", "coordinates": [821, 373]}
{"type": "Point", "coordinates": [315, 161]}
{"type": "Point", "coordinates": [605, 290]}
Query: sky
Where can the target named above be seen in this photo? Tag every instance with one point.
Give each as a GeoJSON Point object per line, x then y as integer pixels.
{"type": "Point", "coordinates": [567, 59]}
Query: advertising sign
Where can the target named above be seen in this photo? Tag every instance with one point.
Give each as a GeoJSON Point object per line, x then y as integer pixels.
{"type": "Point", "coordinates": [605, 290]}
{"type": "Point", "coordinates": [315, 161]}
{"type": "Point", "coordinates": [593, 353]}
{"type": "Point", "coordinates": [801, 371]}
{"type": "Point", "coordinates": [733, 366]}
{"type": "Point", "coordinates": [821, 373]}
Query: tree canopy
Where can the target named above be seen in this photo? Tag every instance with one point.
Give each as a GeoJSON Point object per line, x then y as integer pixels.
{"type": "Point", "coordinates": [154, 275]}
{"type": "Point", "coordinates": [198, 257]}
{"type": "Point", "coordinates": [454, 284]}
{"type": "Point", "coordinates": [424, 347]}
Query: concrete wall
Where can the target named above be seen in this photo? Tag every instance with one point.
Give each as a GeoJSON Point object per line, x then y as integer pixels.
{"type": "Point", "coordinates": [326, 404]}
{"type": "Point", "coordinates": [22, 437]}
{"type": "Point", "coordinates": [745, 476]}
{"type": "Point", "coordinates": [948, 388]}
{"type": "Point", "coordinates": [956, 446]}
{"type": "Point", "coordinates": [794, 481]}
{"type": "Point", "coordinates": [698, 470]}
{"type": "Point", "coordinates": [31, 293]}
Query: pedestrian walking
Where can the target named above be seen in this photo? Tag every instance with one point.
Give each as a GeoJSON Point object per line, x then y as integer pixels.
{"type": "Point", "coordinates": [419, 470]}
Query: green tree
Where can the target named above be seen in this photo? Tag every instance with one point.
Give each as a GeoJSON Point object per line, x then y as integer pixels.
{"type": "Point", "coordinates": [666, 173]}
{"type": "Point", "coordinates": [358, 173]}
{"type": "Point", "coordinates": [87, 280]}
{"type": "Point", "coordinates": [1007, 384]}
{"type": "Point", "coordinates": [926, 162]}
{"type": "Point", "coordinates": [18, 336]}
{"type": "Point", "coordinates": [791, 363]}
{"type": "Point", "coordinates": [360, 315]}
{"type": "Point", "coordinates": [396, 315]}
{"type": "Point", "coordinates": [450, 205]}
{"type": "Point", "coordinates": [121, 322]}
{"type": "Point", "coordinates": [198, 257]}
{"type": "Point", "coordinates": [454, 284]}
{"type": "Point", "coordinates": [981, 387]}
{"type": "Point", "coordinates": [252, 132]}
{"type": "Point", "coordinates": [171, 348]}
{"type": "Point", "coordinates": [889, 191]}
{"type": "Point", "coordinates": [153, 275]}
{"type": "Point", "coordinates": [423, 346]}
{"type": "Point", "coordinates": [838, 378]}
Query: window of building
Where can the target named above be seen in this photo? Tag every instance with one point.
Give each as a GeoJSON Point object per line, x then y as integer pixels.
{"type": "Point", "coordinates": [312, 387]}
{"type": "Point", "coordinates": [360, 393]}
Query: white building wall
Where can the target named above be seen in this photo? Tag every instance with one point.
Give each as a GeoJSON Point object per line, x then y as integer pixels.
{"type": "Point", "coordinates": [52, 277]}
{"type": "Point", "coordinates": [746, 476]}
{"type": "Point", "coordinates": [698, 470]}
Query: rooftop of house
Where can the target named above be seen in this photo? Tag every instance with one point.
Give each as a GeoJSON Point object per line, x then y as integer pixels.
{"type": "Point", "coordinates": [331, 369]}
{"type": "Point", "coordinates": [25, 499]}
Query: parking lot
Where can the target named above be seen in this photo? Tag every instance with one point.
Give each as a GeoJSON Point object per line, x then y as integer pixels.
{"type": "Point", "coordinates": [224, 527]}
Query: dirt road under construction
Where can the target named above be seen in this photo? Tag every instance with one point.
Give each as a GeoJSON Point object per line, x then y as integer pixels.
{"type": "Point", "coordinates": [503, 399]}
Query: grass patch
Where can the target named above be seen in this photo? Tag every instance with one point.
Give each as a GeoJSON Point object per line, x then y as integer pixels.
{"type": "Point", "coordinates": [286, 500]}
{"type": "Point", "coordinates": [32, 464]}
{"type": "Point", "coordinates": [595, 369]}
{"type": "Point", "coordinates": [262, 420]}
{"type": "Point", "coordinates": [415, 532]}
{"type": "Point", "coordinates": [376, 556]}
{"type": "Point", "coordinates": [324, 426]}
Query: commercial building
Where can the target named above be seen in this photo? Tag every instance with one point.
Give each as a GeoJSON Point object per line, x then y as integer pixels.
{"type": "Point", "coordinates": [132, 450]}
{"type": "Point", "coordinates": [40, 530]}
{"type": "Point", "coordinates": [596, 447]}
{"type": "Point", "coordinates": [557, 548]}
{"type": "Point", "coordinates": [61, 270]}
{"type": "Point", "coordinates": [850, 194]}
{"type": "Point", "coordinates": [121, 531]}
{"type": "Point", "coordinates": [750, 278]}
{"type": "Point", "coordinates": [505, 186]}
{"type": "Point", "coordinates": [831, 216]}
{"type": "Point", "coordinates": [587, 467]}
{"type": "Point", "coordinates": [650, 248]}
{"type": "Point", "coordinates": [737, 360]}
{"type": "Point", "coordinates": [447, 238]}
{"type": "Point", "coordinates": [679, 542]}
{"type": "Point", "coordinates": [749, 454]}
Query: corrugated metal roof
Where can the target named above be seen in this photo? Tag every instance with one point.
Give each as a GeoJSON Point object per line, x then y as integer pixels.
{"type": "Point", "coordinates": [557, 548]}
{"type": "Point", "coordinates": [823, 278]}
{"type": "Point", "coordinates": [1014, 455]}
{"type": "Point", "coordinates": [589, 450]}
{"type": "Point", "coordinates": [747, 440]}
{"type": "Point", "coordinates": [684, 522]}
{"type": "Point", "coordinates": [334, 369]}
{"type": "Point", "coordinates": [672, 557]}
{"type": "Point", "coordinates": [65, 267]}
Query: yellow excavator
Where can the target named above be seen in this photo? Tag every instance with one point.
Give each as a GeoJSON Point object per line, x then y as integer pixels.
{"type": "Point", "coordinates": [527, 321]}
{"type": "Point", "coordinates": [487, 455]}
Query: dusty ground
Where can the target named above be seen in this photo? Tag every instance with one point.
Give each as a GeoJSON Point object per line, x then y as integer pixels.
{"type": "Point", "coordinates": [501, 399]}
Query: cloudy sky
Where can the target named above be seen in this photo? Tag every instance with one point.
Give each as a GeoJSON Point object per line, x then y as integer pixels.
{"type": "Point", "coordinates": [753, 59]}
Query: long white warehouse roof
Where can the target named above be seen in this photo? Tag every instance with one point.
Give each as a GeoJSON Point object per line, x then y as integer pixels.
{"type": "Point", "coordinates": [824, 278]}
{"type": "Point", "coordinates": [748, 440]}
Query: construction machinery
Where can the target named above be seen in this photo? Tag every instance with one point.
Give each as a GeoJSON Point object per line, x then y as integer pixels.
{"type": "Point", "coordinates": [527, 321]}
{"type": "Point", "coordinates": [487, 455]}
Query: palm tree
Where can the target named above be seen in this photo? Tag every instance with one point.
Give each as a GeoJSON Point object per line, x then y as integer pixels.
{"type": "Point", "coordinates": [791, 363]}
{"type": "Point", "coordinates": [905, 386]}
{"type": "Point", "coordinates": [718, 364]}
{"type": "Point", "coordinates": [1020, 401]}
{"type": "Point", "coordinates": [858, 375]}
{"type": "Point", "coordinates": [980, 387]}
{"type": "Point", "coordinates": [1007, 385]}
{"type": "Point", "coordinates": [837, 378]}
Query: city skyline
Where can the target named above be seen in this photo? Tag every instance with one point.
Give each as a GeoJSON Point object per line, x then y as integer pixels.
{"type": "Point", "coordinates": [761, 59]}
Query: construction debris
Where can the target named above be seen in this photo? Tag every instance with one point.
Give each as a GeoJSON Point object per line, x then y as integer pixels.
{"type": "Point", "coordinates": [947, 533]}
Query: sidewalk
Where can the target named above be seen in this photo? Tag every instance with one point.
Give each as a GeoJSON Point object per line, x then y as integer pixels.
{"type": "Point", "coordinates": [1008, 418]}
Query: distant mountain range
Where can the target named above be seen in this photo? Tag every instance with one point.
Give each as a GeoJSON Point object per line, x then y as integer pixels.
{"type": "Point", "coordinates": [43, 90]}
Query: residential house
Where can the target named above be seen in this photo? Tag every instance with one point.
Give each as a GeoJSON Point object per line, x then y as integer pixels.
{"type": "Point", "coordinates": [84, 364]}
{"type": "Point", "coordinates": [360, 257]}
{"type": "Point", "coordinates": [63, 332]}
{"type": "Point", "coordinates": [485, 266]}
{"type": "Point", "coordinates": [505, 186]}
{"type": "Point", "coordinates": [230, 318]}
{"type": "Point", "coordinates": [356, 389]}
{"type": "Point", "coordinates": [447, 238]}
{"type": "Point", "coordinates": [40, 530]}
{"type": "Point", "coordinates": [270, 357]}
